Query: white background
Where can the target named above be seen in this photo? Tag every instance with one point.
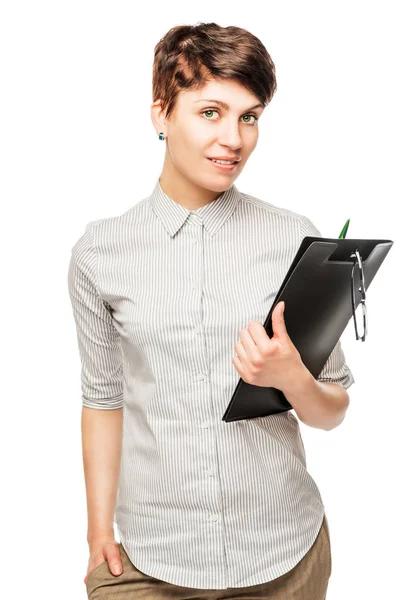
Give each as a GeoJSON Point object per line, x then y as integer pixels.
{"type": "Point", "coordinates": [77, 144]}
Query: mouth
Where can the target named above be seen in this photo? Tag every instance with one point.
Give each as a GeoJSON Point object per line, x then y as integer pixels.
{"type": "Point", "coordinates": [224, 167]}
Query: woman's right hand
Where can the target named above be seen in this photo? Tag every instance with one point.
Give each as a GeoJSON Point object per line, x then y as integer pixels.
{"type": "Point", "coordinates": [104, 549]}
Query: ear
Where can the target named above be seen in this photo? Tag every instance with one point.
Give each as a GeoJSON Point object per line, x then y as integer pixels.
{"type": "Point", "coordinates": [157, 117]}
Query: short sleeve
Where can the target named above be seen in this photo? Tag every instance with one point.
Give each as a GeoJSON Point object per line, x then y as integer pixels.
{"type": "Point", "coordinates": [336, 369]}
{"type": "Point", "coordinates": [98, 340]}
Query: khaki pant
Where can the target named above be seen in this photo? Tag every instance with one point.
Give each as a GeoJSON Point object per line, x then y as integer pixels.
{"type": "Point", "coordinates": [308, 580]}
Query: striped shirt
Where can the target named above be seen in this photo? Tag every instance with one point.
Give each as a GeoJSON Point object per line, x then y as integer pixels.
{"type": "Point", "coordinates": [159, 295]}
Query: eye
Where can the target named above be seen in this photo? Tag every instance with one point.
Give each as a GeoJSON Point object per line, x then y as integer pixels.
{"type": "Point", "coordinates": [208, 111]}
{"type": "Point", "coordinates": [212, 110]}
{"type": "Point", "coordinates": [255, 118]}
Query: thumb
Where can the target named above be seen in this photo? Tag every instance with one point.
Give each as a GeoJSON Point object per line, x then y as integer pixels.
{"type": "Point", "coordinates": [278, 320]}
{"type": "Point", "coordinates": [113, 558]}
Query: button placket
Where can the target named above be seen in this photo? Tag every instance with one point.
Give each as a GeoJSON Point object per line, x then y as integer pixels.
{"type": "Point", "coordinates": [197, 351]}
{"type": "Point", "coordinates": [200, 376]}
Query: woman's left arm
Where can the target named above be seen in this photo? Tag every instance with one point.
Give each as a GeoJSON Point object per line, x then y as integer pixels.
{"type": "Point", "coordinates": [317, 403]}
{"type": "Point", "coordinates": [275, 362]}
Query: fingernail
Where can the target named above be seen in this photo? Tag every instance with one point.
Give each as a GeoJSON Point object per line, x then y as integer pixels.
{"type": "Point", "coordinates": [117, 569]}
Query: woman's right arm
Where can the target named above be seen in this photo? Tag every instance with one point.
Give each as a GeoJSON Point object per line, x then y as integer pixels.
{"type": "Point", "coordinates": [102, 397]}
{"type": "Point", "coordinates": [101, 451]}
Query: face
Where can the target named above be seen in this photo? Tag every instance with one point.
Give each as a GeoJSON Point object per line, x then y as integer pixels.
{"type": "Point", "coordinates": [199, 129]}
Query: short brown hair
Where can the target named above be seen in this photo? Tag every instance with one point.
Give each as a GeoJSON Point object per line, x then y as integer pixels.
{"type": "Point", "coordinates": [188, 56]}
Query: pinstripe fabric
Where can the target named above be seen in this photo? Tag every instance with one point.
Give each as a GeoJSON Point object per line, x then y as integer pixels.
{"type": "Point", "coordinates": [159, 295]}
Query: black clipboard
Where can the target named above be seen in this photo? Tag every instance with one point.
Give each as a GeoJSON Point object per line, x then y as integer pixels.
{"type": "Point", "coordinates": [317, 291]}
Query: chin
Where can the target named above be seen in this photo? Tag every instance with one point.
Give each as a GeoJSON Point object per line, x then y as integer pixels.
{"type": "Point", "coordinates": [217, 184]}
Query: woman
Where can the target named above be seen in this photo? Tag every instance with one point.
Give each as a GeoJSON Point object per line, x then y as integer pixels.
{"type": "Point", "coordinates": [169, 300]}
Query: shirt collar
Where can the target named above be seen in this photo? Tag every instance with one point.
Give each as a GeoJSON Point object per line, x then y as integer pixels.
{"type": "Point", "coordinates": [213, 215]}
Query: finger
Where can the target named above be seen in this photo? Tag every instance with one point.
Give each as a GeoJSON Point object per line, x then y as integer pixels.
{"type": "Point", "coordinates": [262, 341]}
{"type": "Point", "coordinates": [278, 320]}
{"type": "Point", "coordinates": [240, 351]}
{"type": "Point", "coordinates": [114, 560]}
{"type": "Point", "coordinates": [247, 342]}
{"type": "Point", "coordinates": [239, 366]}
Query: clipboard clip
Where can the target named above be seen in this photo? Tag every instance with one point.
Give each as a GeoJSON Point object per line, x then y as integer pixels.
{"type": "Point", "coordinates": [360, 276]}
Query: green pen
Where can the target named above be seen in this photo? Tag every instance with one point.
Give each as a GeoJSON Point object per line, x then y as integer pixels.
{"type": "Point", "coordinates": [344, 230]}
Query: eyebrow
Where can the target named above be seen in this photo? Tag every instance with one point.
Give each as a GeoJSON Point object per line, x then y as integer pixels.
{"type": "Point", "coordinates": [224, 104]}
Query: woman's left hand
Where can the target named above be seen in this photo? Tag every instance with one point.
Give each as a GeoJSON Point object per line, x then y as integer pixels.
{"type": "Point", "coordinates": [265, 361]}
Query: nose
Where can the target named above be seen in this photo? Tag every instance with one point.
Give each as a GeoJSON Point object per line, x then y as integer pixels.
{"type": "Point", "coordinates": [231, 137]}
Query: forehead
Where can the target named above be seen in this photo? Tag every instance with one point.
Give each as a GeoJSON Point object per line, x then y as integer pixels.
{"type": "Point", "coordinates": [232, 93]}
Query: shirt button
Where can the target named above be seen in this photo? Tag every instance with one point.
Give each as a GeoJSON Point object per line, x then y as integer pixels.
{"type": "Point", "coordinates": [194, 241]}
{"type": "Point", "coordinates": [197, 330]}
{"type": "Point", "coordinates": [214, 518]}
{"type": "Point", "coordinates": [200, 376]}
{"type": "Point", "coordinates": [205, 424]}
{"type": "Point", "coordinates": [209, 473]}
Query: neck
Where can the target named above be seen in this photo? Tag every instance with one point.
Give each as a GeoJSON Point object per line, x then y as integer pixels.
{"type": "Point", "coordinates": [183, 191]}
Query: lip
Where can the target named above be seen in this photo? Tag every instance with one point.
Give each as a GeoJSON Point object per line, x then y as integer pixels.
{"type": "Point", "coordinates": [225, 158]}
{"type": "Point", "coordinates": [223, 167]}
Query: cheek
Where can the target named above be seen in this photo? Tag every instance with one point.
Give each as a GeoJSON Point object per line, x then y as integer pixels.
{"type": "Point", "coordinates": [252, 139]}
{"type": "Point", "coordinates": [188, 143]}
{"type": "Point", "coordinates": [248, 147]}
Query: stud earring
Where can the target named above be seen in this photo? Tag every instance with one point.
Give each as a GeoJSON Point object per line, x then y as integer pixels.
{"type": "Point", "coordinates": [160, 136]}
